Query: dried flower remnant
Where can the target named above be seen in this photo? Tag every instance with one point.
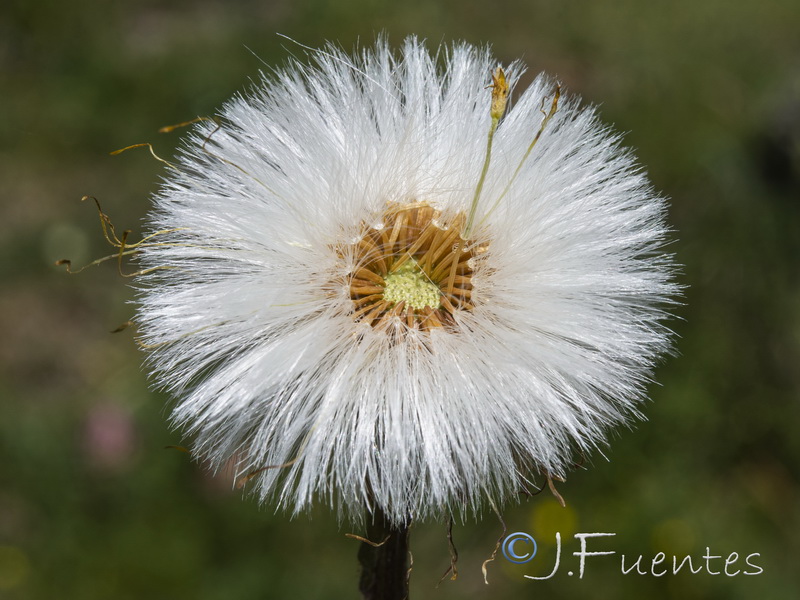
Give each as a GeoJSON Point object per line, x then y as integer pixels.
{"type": "Point", "coordinates": [402, 268]}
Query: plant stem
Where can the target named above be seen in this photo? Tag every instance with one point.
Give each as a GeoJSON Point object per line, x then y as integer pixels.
{"type": "Point", "coordinates": [384, 562]}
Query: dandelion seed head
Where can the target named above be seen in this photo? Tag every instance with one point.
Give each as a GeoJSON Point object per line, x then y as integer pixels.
{"type": "Point", "coordinates": [404, 290]}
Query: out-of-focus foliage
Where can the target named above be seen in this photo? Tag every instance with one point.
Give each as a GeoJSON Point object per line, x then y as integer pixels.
{"type": "Point", "coordinates": [91, 504]}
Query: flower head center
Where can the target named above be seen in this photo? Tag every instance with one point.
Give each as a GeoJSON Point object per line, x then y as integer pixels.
{"type": "Point", "coordinates": [413, 270]}
{"type": "Point", "coordinates": [410, 285]}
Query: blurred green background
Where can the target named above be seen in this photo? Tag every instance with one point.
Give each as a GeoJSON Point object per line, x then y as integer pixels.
{"type": "Point", "coordinates": [91, 504]}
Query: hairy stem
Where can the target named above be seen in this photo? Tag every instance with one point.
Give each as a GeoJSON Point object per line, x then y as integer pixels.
{"type": "Point", "coordinates": [384, 560]}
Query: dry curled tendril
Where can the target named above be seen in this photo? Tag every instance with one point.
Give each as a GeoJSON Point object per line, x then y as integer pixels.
{"type": "Point", "coordinates": [125, 248]}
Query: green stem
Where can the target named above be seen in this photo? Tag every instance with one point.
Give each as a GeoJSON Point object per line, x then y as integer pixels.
{"type": "Point", "coordinates": [488, 158]}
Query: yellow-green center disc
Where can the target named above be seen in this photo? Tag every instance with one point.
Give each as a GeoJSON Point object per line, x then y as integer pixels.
{"type": "Point", "coordinates": [410, 285]}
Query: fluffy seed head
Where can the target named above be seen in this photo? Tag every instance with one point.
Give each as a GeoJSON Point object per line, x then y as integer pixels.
{"type": "Point", "coordinates": [398, 292]}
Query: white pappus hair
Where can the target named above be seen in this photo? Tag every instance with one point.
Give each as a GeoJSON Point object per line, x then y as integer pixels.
{"type": "Point", "coordinates": [268, 313]}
